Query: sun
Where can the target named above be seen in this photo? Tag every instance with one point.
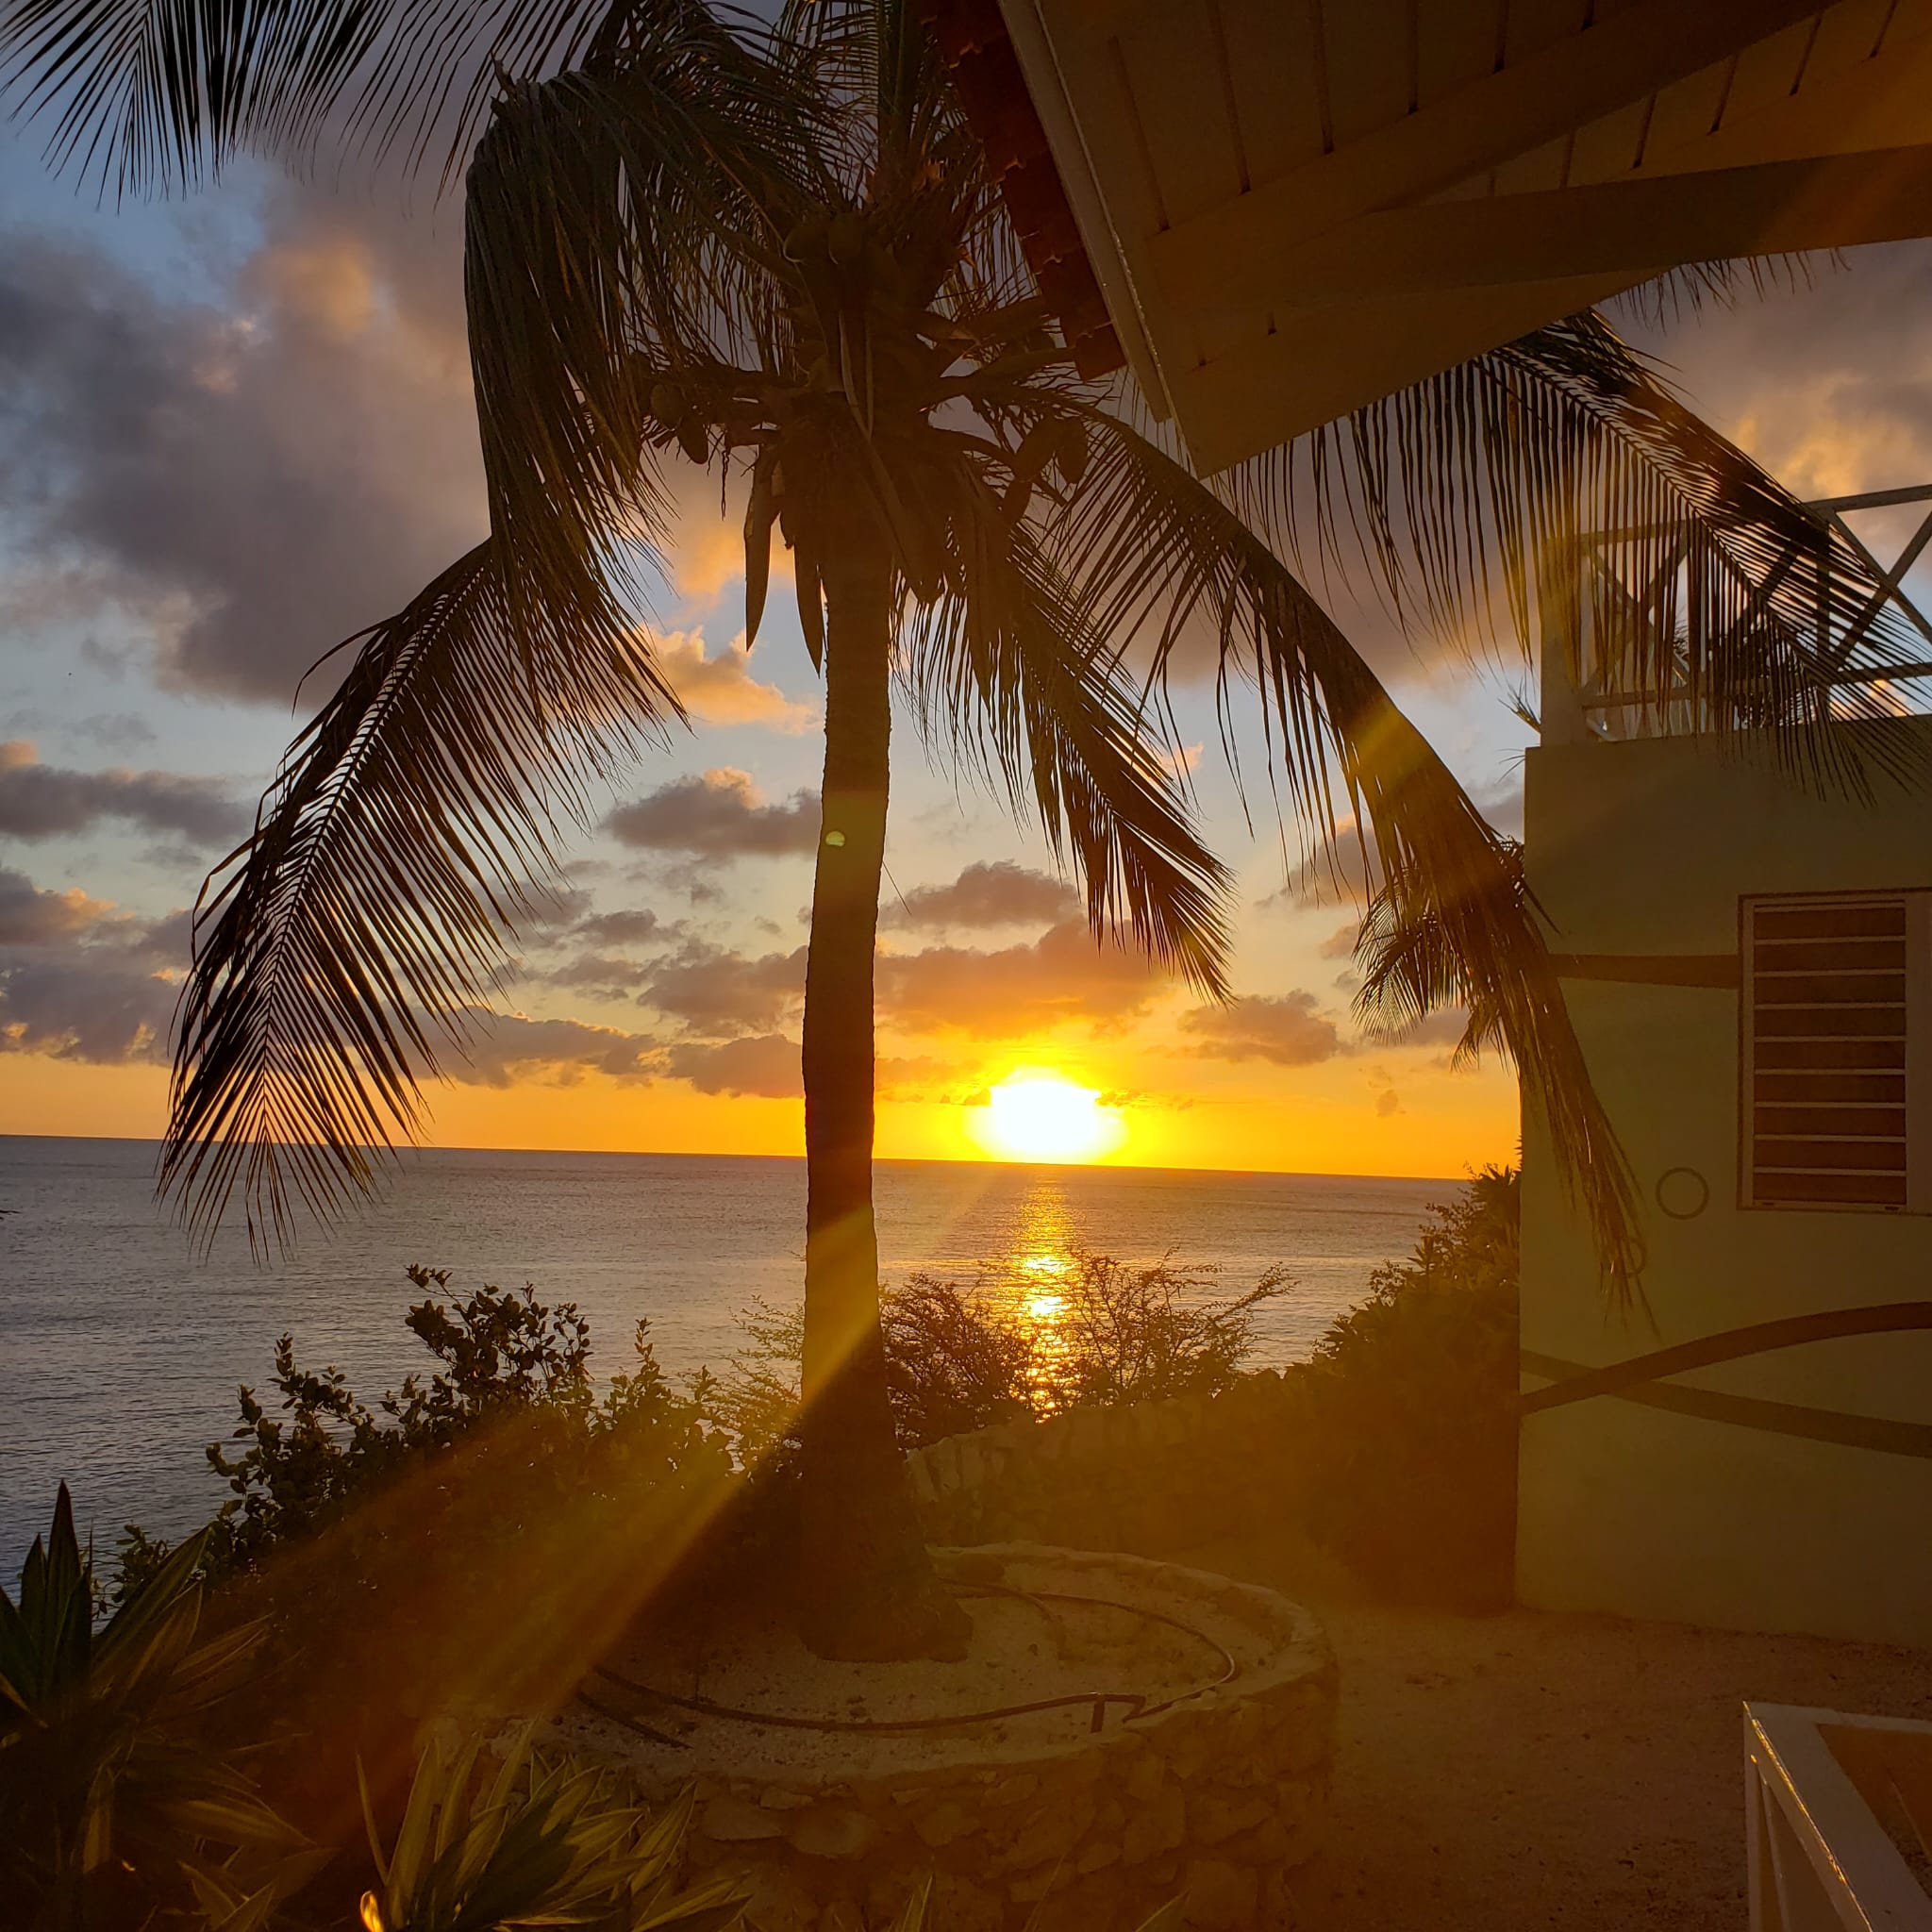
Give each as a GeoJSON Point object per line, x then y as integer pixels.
{"type": "Point", "coordinates": [1036, 1115]}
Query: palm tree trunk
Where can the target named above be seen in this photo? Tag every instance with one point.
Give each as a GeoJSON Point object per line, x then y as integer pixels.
{"type": "Point", "coordinates": [869, 1589]}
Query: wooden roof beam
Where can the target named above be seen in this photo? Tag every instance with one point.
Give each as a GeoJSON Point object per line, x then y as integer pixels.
{"type": "Point", "coordinates": [1631, 228]}
{"type": "Point", "coordinates": [1632, 54]}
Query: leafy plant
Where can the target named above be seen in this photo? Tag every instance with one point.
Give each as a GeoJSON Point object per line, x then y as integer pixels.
{"type": "Point", "coordinates": [1123, 1334]}
{"type": "Point", "coordinates": [1408, 1442]}
{"type": "Point", "coordinates": [117, 1804]}
{"type": "Point", "coordinates": [514, 1385]}
{"type": "Point", "coordinates": [543, 1842]}
{"type": "Point", "coordinates": [962, 1357]}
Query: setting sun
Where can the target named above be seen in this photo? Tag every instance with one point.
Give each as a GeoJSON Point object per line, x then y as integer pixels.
{"type": "Point", "coordinates": [1040, 1116]}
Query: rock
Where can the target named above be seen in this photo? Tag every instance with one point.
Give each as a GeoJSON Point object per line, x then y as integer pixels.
{"type": "Point", "coordinates": [1012, 1790]}
{"type": "Point", "coordinates": [779, 1903]}
{"type": "Point", "coordinates": [831, 1831]}
{"type": "Point", "coordinates": [947, 1820]}
{"type": "Point", "coordinates": [778, 1799]}
{"type": "Point", "coordinates": [1096, 1855]}
{"type": "Point", "coordinates": [734, 1821]}
{"type": "Point", "coordinates": [959, 1906]}
{"type": "Point", "coordinates": [1048, 1837]}
{"type": "Point", "coordinates": [1144, 1778]}
{"type": "Point", "coordinates": [1220, 1897]}
{"type": "Point", "coordinates": [1212, 1816]}
{"type": "Point", "coordinates": [1156, 1827]}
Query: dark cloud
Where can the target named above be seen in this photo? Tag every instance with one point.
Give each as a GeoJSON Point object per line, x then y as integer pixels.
{"type": "Point", "coordinates": [598, 974]}
{"type": "Point", "coordinates": [32, 917]}
{"type": "Point", "coordinates": [1284, 1030]}
{"type": "Point", "coordinates": [506, 1048]}
{"type": "Point", "coordinates": [995, 894]}
{"type": "Point", "coordinates": [716, 991]}
{"type": "Point", "coordinates": [720, 815]}
{"type": "Point", "coordinates": [620, 928]}
{"type": "Point", "coordinates": [763, 1065]}
{"type": "Point", "coordinates": [80, 981]}
{"type": "Point", "coordinates": [1445, 1027]}
{"type": "Point", "coordinates": [252, 479]}
{"type": "Point", "coordinates": [40, 801]}
{"type": "Point", "coordinates": [1064, 975]}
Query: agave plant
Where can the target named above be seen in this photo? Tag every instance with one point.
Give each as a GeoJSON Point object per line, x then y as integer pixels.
{"type": "Point", "coordinates": [543, 1842]}
{"type": "Point", "coordinates": [115, 1800]}
{"type": "Point", "coordinates": [776, 250]}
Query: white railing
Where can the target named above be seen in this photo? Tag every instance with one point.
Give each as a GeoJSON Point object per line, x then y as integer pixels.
{"type": "Point", "coordinates": [1584, 680]}
{"type": "Point", "coordinates": [1821, 1789]}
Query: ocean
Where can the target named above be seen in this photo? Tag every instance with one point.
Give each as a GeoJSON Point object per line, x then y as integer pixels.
{"type": "Point", "coordinates": [121, 1349]}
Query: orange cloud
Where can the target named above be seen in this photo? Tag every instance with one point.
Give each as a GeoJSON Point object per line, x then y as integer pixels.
{"type": "Point", "coordinates": [721, 689]}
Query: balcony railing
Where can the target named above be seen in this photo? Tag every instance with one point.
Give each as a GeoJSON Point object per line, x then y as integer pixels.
{"type": "Point", "coordinates": [1628, 644]}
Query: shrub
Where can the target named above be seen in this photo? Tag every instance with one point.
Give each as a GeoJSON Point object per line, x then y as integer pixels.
{"type": "Point", "coordinates": [118, 1805]}
{"type": "Point", "coordinates": [963, 1358]}
{"type": "Point", "coordinates": [514, 1386]}
{"type": "Point", "coordinates": [532, 1841]}
{"type": "Point", "coordinates": [1150, 1334]}
{"type": "Point", "coordinates": [1408, 1437]}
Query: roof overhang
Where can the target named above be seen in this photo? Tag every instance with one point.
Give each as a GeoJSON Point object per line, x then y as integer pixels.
{"type": "Point", "coordinates": [1293, 208]}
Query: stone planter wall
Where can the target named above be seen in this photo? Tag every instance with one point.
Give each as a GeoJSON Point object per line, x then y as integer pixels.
{"type": "Point", "coordinates": [1155, 1477]}
{"type": "Point", "coordinates": [1217, 1798]}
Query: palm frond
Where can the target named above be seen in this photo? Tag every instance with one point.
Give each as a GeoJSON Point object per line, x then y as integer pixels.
{"type": "Point", "coordinates": [159, 95]}
{"type": "Point", "coordinates": [1155, 557]}
{"type": "Point", "coordinates": [1486, 485]}
{"type": "Point", "coordinates": [360, 928]}
{"type": "Point", "coordinates": [1007, 672]}
{"type": "Point", "coordinates": [621, 229]}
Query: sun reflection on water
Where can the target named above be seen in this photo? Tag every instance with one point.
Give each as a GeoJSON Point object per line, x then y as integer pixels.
{"type": "Point", "coordinates": [1039, 1259]}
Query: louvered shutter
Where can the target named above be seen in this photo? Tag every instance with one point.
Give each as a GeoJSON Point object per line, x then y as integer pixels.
{"type": "Point", "coordinates": [1836, 1035]}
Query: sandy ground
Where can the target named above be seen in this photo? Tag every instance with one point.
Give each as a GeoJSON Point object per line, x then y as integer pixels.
{"type": "Point", "coordinates": [1522, 1770]}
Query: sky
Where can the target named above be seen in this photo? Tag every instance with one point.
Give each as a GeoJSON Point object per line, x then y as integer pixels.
{"type": "Point", "coordinates": [236, 429]}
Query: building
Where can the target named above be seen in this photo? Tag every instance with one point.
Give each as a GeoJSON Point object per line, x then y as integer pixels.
{"type": "Point", "coordinates": [1748, 964]}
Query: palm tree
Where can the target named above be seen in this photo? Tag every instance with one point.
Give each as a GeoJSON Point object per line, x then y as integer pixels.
{"type": "Point", "coordinates": [779, 251]}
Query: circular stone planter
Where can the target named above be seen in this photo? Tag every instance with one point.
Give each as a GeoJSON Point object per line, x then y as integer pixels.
{"type": "Point", "coordinates": [1212, 1786]}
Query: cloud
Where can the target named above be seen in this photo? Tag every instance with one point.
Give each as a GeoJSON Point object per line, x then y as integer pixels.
{"type": "Point", "coordinates": [624, 927]}
{"type": "Point", "coordinates": [1445, 1027]}
{"type": "Point", "coordinates": [1284, 1030]}
{"type": "Point", "coordinates": [721, 689]}
{"type": "Point", "coordinates": [762, 1065]}
{"type": "Point", "coordinates": [995, 894]}
{"type": "Point", "coordinates": [1342, 872]}
{"type": "Point", "coordinates": [82, 981]}
{"type": "Point", "coordinates": [599, 974]}
{"type": "Point", "coordinates": [1339, 944]}
{"type": "Point", "coordinates": [720, 815]}
{"type": "Point", "coordinates": [252, 477]}
{"type": "Point", "coordinates": [40, 801]}
{"type": "Point", "coordinates": [1830, 386]}
{"type": "Point", "coordinates": [505, 1048]}
{"type": "Point", "coordinates": [1063, 976]}
{"type": "Point", "coordinates": [31, 917]}
{"type": "Point", "coordinates": [716, 991]}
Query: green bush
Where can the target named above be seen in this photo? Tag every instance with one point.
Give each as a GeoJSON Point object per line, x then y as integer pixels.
{"type": "Point", "coordinates": [118, 1805]}
{"type": "Point", "coordinates": [1408, 1442]}
{"type": "Point", "coordinates": [514, 1386]}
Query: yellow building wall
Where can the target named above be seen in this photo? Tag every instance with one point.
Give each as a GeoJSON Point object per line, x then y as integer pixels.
{"type": "Point", "coordinates": [1646, 847]}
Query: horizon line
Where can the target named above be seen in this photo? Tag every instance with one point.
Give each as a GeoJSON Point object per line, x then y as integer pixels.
{"type": "Point", "coordinates": [879, 1160]}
